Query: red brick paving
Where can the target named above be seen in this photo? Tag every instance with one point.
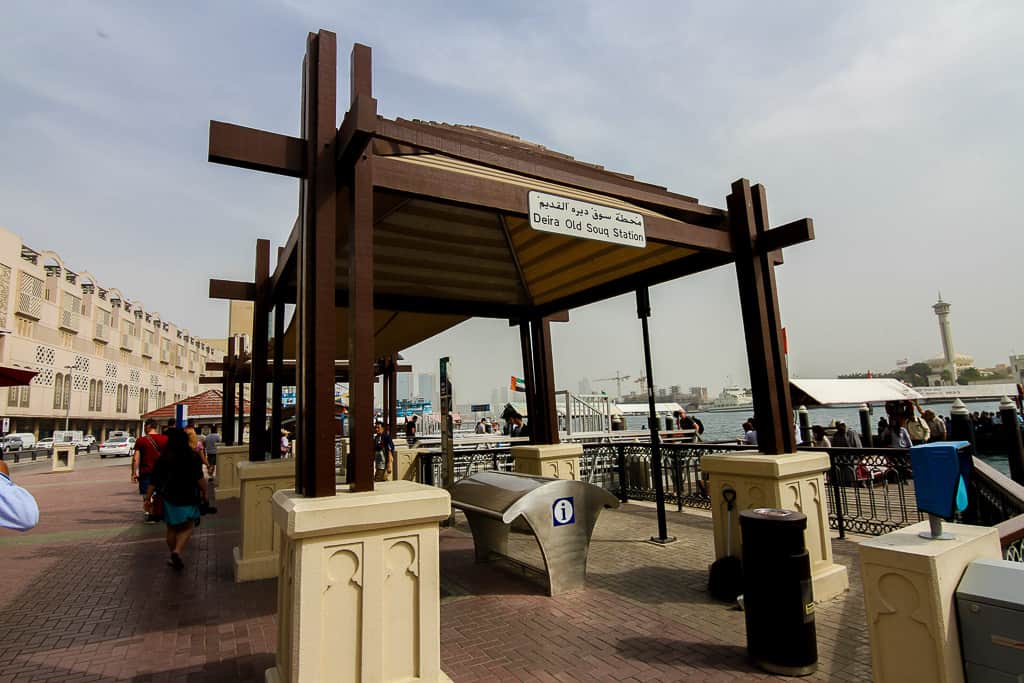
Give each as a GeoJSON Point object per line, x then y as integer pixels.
{"type": "Point", "coordinates": [88, 597]}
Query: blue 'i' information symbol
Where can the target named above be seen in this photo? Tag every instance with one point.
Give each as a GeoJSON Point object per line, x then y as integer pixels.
{"type": "Point", "coordinates": [562, 512]}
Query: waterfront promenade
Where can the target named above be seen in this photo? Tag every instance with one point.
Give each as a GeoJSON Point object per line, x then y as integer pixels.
{"type": "Point", "coordinates": [87, 597]}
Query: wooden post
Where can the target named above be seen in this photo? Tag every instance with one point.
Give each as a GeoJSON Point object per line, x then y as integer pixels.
{"type": "Point", "coordinates": [360, 289]}
{"type": "Point", "coordinates": [529, 381]}
{"type": "Point", "coordinates": [393, 401]}
{"type": "Point", "coordinates": [227, 412]}
{"type": "Point", "coordinates": [759, 304]}
{"type": "Point", "coordinates": [314, 473]}
{"type": "Point", "coordinates": [260, 323]}
{"type": "Point", "coordinates": [276, 393]}
{"type": "Point", "coordinates": [240, 359]}
{"type": "Point", "coordinates": [543, 424]}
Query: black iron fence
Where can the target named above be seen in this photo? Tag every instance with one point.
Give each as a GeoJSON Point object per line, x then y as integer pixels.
{"type": "Point", "coordinates": [868, 490]}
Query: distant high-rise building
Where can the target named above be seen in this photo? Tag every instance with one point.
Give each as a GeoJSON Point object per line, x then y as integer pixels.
{"type": "Point", "coordinates": [426, 383]}
{"type": "Point", "coordinates": [404, 386]}
{"type": "Point", "coordinates": [699, 394]}
{"type": "Point", "coordinates": [499, 397]}
{"type": "Point", "coordinates": [585, 387]}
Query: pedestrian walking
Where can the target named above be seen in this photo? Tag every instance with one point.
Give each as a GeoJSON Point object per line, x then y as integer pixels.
{"type": "Point", "coordinates": [178, 477]}
{"type": "Point", "coordinates": [212, 443]}
{"type": "Point", "coordinates": [197, 445]}
{"type": "Point", "coordinates": [148, 450]}
{"type": "Point", "coordinates": [383, 453]}
{"type": "Point", "coordinates": [410, 429]}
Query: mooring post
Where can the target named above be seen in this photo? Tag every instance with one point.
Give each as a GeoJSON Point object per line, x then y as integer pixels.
{"type": "Point", "coordinates": [961, 427]}
{"type": "Point", "coordinates": [1012, 439]}
{"type": "Point", "coordinates": [805, 424]}
{"type": "Point", "coordinates": [865, 425]}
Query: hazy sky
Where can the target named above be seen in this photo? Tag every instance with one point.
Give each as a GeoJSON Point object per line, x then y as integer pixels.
{"type": "Point", "coordinates": [895, 126]}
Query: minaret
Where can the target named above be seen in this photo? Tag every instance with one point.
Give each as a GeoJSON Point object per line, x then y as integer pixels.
{"type": "Point", "coordinates": [941, 309]}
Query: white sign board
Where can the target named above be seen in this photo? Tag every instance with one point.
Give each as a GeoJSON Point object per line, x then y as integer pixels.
{"type": "Point", "coordinates": [571, 217]}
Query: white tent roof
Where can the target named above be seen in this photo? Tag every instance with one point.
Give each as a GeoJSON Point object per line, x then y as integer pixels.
{"type": "Point", "coordinates": [836, 391]}
{"type": "Point", "coordinates": [644, 409]}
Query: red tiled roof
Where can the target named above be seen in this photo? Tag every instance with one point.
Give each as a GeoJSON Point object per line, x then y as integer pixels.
{"type": "Point", "coordinates": [206, 404]}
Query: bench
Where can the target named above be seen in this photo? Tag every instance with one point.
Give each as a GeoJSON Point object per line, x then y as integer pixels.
{"type": "Point", "coordinates": [560, 513]}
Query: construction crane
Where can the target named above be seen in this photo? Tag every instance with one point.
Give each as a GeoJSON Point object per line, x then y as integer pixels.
{"type": "Point", "coordinates": [619, 378]}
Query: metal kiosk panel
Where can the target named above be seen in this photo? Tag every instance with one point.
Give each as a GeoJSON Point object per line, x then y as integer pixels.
{"type": "Point", "coordinates": [561, 514]}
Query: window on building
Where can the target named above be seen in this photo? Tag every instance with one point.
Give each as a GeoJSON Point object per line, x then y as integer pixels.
{"type": "Point", "coordinates": [24, 397]}
{"type": "Point", "coordinates": [99, 395]}
{"type": "Point", "coordinates": [12, 397]}
{"type": "Point", "coordinates": [67, 392]}
{"type": "Point", "coordinates": [92, 394]}
{"type": "Point", "coordinates": [66, 339]}
{"type": "Point", "coordinates": [58, 391]}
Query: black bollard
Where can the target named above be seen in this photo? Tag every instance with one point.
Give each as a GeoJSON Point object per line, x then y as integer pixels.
{"type": "Point", "coordinates": [1012, 440]}
{"type": "Point", "coordinates": [865, 425]}
{"type": "Point", "coordinates": [961, 428]}
{"type": "Point", "coordinates": [805, 424]}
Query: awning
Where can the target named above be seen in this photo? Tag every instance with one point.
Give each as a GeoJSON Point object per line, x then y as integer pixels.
{"type": "Point", "coordinates": [813, 392]}
{"type": "Point", "coordinates": [15, 377]}
{"type": "Point", "coordinates": [644, 408]}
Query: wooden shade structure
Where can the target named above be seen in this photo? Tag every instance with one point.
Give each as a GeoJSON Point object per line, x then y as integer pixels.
{"type": "Point", "coordinates": [405, 228]}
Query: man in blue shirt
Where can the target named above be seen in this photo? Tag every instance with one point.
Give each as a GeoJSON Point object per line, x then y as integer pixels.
{"type": "Point", "coordinates": [18, 509]}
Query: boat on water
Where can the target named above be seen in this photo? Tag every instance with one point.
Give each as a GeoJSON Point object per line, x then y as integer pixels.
{"type": "Point", "coordinates": [731, 399]}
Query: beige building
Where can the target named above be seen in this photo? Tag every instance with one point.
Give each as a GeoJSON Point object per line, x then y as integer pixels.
{"type": "Point", "coordinates": [102, 360]}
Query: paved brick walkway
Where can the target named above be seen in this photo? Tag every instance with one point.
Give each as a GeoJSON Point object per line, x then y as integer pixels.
{"type": "Point", "coordinates": [87, 597]}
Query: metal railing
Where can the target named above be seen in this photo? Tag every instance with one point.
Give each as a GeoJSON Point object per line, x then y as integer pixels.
{"type": "Point", "coordinates": [868, 490]}
{"type": "Point", "coordinates": [585, 413]}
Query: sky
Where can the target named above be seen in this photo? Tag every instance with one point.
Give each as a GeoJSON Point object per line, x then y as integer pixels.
{"type": "Point", "coordinates": [895, 126]}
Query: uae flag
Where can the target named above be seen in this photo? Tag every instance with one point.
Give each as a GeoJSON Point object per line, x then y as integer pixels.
{"type": "Point", "coordinates": [516, 383]}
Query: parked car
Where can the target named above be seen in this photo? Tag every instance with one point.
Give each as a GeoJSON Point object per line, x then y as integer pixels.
{"type": "Point", "coordinates": [46, 444]}
{"type": "Point", "coordinates": [28, 439]}
{"type": "Point", "coordinates": [122, 445]}
{"type": "Point", "coordinates": [86, 443]}
{"type": "Point", "coordinates": [11, 443]}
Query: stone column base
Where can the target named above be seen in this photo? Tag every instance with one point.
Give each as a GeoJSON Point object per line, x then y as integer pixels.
{"type": "Point", "coordinates": [559, 461]}
{"type": "Point", "coordinates": [407, 463]}
{"type": "Point", "coordinates": [793, 482]}
{"type": "Point", "coordinates": [359, 585]}
{"type": "Point", "coordinates": [63, 458]}
{"type": "Point", "coordinates": [909, 594]}
{"type": "Point", "coordinates": [258, 555]}
{"type": "Point", "coordinates": [227, 476]}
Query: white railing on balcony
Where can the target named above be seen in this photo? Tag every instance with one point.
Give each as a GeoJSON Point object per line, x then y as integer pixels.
{"type": "Point", "coordinates": [101, 333]}
{"type": "Point", "coordinates": [127, 342]}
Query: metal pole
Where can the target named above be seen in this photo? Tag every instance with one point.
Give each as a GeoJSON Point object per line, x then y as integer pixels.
{"type": "Point", "coordinates": [643, 311]}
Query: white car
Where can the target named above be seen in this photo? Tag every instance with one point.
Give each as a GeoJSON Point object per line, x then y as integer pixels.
{"type": "Point", "coordinates": [46, 443]}
{"type": "Point", "coordinates": [86, 443]}
{"type": "Point", "coordinates": [122, 445]}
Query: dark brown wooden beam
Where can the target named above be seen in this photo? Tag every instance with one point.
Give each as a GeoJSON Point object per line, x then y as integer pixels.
{"type": "Point", "coordinates": [786, 235]}
{"type": "Point", "coordinates": [544, 419]}
{"type": "Point", "coordinates": [258, 441]}
{"type": "Point", "coordinates": [759, 306]}
{"type": "Point", "coordinates": [232, 289]}
{"type": "Point", "coordinates": [360, 285]}
{"type": "Point", "coordinates": [546, 167]}
{"type": "Point", "coordinates": [476, 191]}
{"type": "Point", "coordinates": [277, 368]}
{"type": "Point", "coordinates": [286, 262]}
{"type": "Point", "coordinates": [257, 150]}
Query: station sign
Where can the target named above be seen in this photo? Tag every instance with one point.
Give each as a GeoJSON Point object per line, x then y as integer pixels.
{"type": "Point", "coordinates": [480, 408]}
{"type": "Point", "coordinates": [575, 218]}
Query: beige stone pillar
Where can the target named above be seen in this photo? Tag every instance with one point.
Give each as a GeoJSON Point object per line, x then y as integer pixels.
{"type": "Point", "coordinates": [257, 555]}
{"type": "Point", "coordinates": [407, 463]}
{"type": "Point", "coordinates": [359, 586]}
{"type": "Point", "coordinates": [792, 482]}
{"type": "Point", "coordinates": [227, 474]}
{"type": "Point", "coordinates": [559, 461]}
{"type": "Point", "coordinates": [909, 595]}
{"type": "Point", "coordinates": [63, 458]}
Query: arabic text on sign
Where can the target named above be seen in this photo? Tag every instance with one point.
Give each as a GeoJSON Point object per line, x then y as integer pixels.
{"type": "Point", "coordinates": [574, 218]}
